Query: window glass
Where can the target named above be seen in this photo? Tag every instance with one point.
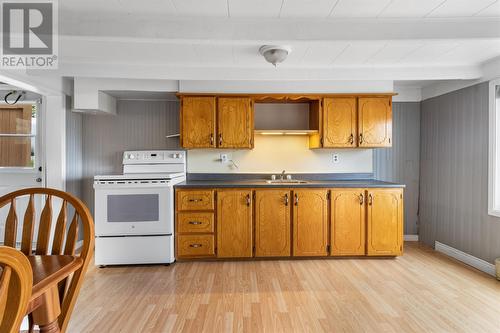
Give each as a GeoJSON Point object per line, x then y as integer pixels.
{"type": "Point", "coordinates": [17, 135]}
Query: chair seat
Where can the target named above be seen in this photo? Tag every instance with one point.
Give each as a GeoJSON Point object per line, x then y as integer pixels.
{"type": "Point", "coordinates": [48, 270]}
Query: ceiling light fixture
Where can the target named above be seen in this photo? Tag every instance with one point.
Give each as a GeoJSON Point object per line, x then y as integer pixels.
{"type": "Point", "coordinates": [275, 54]}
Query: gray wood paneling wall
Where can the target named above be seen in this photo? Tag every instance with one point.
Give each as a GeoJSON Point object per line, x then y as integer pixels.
{"type": "Point", "coordinates": [138, 125]}
{"type": "Point", "coordinates": [401, 162]}
{"type": "Point", "coordinates": [454, 173]}
{"type": "Point", "coordinates": [74, 152]}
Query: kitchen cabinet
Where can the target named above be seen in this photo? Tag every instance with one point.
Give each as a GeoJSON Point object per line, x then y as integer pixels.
{"type": "Point", "coordinates": [235, 122]}
{"type": "Point", "coordinates": [234, 223]}
{"type": "Point", "coordinates": [272, 223]}
{"type": "Point", "coordinates": [375, 122]}
{"type": "Point", "coordinates": [195, 246]}
{"type": "Point", "coordinates": [348, 222]}
{"type": "Point", "coordinates": [210, 122]}
{"type": "Point", "coordinates": [384, 222]}
{"type": "Point", "coordinates": [340, 122]}
{"type": "Point", "coordinates": [195, 199]}
{"type": "Point", "coordinates": [198, 122]}
{"type": "Point", "coordinates": [310, 222]}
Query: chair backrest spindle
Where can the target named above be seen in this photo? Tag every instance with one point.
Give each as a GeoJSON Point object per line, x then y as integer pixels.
{"type": "Point", "coordinates": [11, 226]}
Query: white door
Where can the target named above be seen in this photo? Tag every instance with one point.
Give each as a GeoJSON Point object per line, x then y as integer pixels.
{"type": "Point", "coordinates": [21, 154]}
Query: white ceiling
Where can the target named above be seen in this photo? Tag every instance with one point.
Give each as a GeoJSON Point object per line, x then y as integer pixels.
{"type": "Point", "coordinates": [292, 8]}
{"type": "Point", "coordinates": [330, 39]}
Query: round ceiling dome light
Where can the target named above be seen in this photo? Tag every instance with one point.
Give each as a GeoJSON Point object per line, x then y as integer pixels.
{"type": "Point", "coordinates": [275, 54]}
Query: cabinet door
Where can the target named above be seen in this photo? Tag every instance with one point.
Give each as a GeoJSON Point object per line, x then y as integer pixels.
{"type": "Point", "coordinates": [198, 122]}
{"type": "Point", "coordinates": [234, 223]}
{"type": "Point", "coordinates": [339, 122]}
{"type": "Point", "coordinates": [235, 122]}
{"type": "Point", "coordinates": [272, 223]}
{"type": "Point", "coordinates": [310, 222]}
{"type": "Point", "coordinates": [348, 220]}
{"type": "Point", "coordinates": [375, 121]}
{"type": "Point", "coordinates": [385, 222]}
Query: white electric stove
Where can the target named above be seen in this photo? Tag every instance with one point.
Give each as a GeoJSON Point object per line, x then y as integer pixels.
{"type": "Point", "coordinates": [134, 211]}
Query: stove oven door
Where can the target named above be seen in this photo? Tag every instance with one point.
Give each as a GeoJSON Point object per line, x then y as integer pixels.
{"type": "Point", "coordinates": [123, 208]}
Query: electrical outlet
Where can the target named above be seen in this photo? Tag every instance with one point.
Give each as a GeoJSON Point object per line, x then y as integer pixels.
{"type": "Point", "coordinates": [336, 158]}
{"type": "Point", "coordinates": [223, 158]}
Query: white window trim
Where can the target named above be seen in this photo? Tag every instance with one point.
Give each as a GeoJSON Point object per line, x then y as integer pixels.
{"type": "Point", "coordinates": [494, 155]}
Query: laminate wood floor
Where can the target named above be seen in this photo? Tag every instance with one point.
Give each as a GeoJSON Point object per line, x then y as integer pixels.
{"type": "Point", "coordinates": [423, 291]}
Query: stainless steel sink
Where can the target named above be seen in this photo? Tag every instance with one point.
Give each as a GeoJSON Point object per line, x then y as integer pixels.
{"type": "Point", "coordinates": [287, 181]}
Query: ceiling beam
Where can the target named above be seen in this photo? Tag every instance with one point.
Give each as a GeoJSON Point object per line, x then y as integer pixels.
{"type": "Point", "coordinates": [180, 72]}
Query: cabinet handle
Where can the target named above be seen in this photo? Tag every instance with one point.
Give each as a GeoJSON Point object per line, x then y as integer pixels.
{"type": "Point", "coordinates": [286, 199]}
{"type": "Point", "coordinates": [211, 139]}
{"type": "Point", "coordinates": [351, 139]}
{"type": "Point", "coordinates": [195, 245]}
{"type": "Point", "coordinates": [248, 200]}
{"type": "Point", "coordinates": [370, 199]}
{"type": "Point", "coordinates": [361, 138]}
{"type": "Point", "coordinates": [296, 199]}
{"type": "Point", "coordinates": [195, 200]}
{"type": "Point", "coordinates": [220, 139]}
{"type": "Point", "coordinates": [361, 199]}
{"type": "Point", "coordinates": [195, 222]}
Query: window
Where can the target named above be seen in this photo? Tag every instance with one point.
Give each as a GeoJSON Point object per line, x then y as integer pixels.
{"type": "Point", "coordinates": [494, 149]}
{"type": "Point", "coordinates": [17, 136]}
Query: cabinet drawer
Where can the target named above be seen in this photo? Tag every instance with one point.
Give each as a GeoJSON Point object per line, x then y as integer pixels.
{"type": "Point", "coordinates": [195, 200]}
{"type": "Point", "coordinates": [195, 222]}
{"type": "Point", "coordinates": [195, 245]}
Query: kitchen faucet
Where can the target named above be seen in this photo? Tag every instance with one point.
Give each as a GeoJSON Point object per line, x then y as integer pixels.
{"type": "Point", "coordinates": [282, 177]}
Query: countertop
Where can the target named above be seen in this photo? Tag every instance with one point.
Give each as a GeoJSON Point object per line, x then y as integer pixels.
{"type": "Point", "coordinates": [262, 184]}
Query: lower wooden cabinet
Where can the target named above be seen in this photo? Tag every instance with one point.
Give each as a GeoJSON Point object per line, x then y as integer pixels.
{"type": "Point", "coordinates": [348, 222]}
{"type": "Point", "coordinates": [310, 222]}
{"type": "Point", "coordinates": [385, 222]}
{"type": "Point", "coordinates": [272, 223]}
{"type": "Point", "coordinates": [234, 224]}
{"type": "Point", "coordinates": [284, 222]}
{"type": "Point", "coordinates": [195, 246]}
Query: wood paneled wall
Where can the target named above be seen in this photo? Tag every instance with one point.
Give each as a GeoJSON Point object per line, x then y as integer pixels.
{"type": "Point", "coordinates": [454, 173]}
{"type": "Point", "coordinates": [138, 125]}
{"type": "Point", "coordinates": [400, 163]}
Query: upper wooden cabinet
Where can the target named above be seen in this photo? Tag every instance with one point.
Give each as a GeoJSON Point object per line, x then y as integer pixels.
{"type": "Point", "coordinates": [235, 122]}
{"type": "Point", "coordinates": [234, 224]}
{"type": "Point", "coordinates": [375, 122]}
{"type": "Point", "coordinates": [339, 122]}
{"type": "Point", "coordinates": [347, 216]}
{"type": "Point", "coordinates": [310, 222]}
{"type": "Point", "coordinates": [210, 122]}
{"type": "Point", "coordinates": [272, 223]}
{"type": "Point", "coordinates": [385, 222]}
{"type": "Point", "coordinates": [198, 122]}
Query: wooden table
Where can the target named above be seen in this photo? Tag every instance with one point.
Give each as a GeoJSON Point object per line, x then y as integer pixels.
{"type": "Point", "coordinates": [48, 272]}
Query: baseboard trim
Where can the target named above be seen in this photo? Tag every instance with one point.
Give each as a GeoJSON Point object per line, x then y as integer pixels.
{"type": "Point", "coordinates": [410, 238]}
{"type": "Point", "coordinates": [466, 258]}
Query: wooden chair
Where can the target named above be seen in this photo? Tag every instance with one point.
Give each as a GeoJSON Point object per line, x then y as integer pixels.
{"type": "Point", "coordinates": [57, 271]}
{"type": "Point", "coordinates": [16, 280]}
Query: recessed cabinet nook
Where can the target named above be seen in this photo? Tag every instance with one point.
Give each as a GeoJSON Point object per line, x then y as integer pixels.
{"type": "Point", "coordinates": [334, 120]}
{"type": "Point", "coordinates": [288, 222]}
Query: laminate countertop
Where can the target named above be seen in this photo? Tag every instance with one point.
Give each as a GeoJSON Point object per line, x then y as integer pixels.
{"type": "Point", "coordinates": [255, 183]}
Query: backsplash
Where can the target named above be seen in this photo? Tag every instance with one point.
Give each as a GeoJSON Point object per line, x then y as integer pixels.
{"type": "Point", "coordinates": [273, 154]}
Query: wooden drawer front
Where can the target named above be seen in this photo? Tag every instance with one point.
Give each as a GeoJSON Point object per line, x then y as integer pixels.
{"type": "Point", "coordinates": [195, 245]}
{"type": "Point", "coordinates": [195, 200]}
{"type": "Point", "coordinates": [195, 222]}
